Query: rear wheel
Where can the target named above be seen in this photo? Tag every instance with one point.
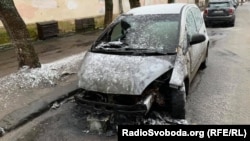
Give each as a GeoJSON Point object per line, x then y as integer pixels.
{"type": "Point", "coordinates": [208, 24]}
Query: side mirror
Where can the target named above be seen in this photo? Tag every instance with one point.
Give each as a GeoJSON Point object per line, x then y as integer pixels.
{"type": "Point", "coordinates": [197, 38]}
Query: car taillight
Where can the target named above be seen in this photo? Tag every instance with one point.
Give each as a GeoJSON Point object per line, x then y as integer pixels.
{"type": "Point", "coordinates": [231, 11]}
{"type": "Point", "coordinates": [205, 12]}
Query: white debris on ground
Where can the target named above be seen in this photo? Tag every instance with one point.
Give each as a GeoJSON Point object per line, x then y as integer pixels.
{"type": "Point", "coordinates": [2, 132]}
{"type": "Point", "coordinates": [46, 76]}
{"type": "Point", "coordinates": [164, 119]}
{"type": "Point", "coordinates": [55, 105]}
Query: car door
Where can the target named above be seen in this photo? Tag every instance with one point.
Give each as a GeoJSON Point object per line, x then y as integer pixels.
{"type": "Point", "coordinates": [201, 28]}
{"type": "Point", "coordinates": [194, 50]}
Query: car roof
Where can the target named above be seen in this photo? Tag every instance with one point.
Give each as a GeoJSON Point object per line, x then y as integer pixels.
{"type": "Point", "coordinates": [174, 8]}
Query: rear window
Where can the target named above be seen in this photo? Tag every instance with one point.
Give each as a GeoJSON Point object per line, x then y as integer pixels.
{"type": "Point", "coordinates": [219, 5]}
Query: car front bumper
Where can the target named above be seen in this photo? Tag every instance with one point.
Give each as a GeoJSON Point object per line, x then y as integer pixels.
{"type": "Point", "coordinates": [98, 102]}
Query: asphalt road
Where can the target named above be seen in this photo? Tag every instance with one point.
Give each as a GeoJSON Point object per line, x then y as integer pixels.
{"type": "Point", "coordinates": [218, 95]}
{"type": "Point", "coordinates": [221, 93]}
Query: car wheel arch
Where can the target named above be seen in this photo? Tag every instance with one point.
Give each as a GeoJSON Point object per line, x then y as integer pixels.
{"type": "Point", "coordinates": [187, 85]}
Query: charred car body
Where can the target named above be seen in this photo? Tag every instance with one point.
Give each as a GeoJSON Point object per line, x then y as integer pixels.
{"type": "Point", "coordinates": [145, 57]}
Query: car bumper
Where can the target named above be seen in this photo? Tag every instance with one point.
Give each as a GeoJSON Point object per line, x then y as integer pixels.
{"type": "Point", "coordinates": [219, 18]}
{"type": "Point", "coordinates": [97, 103]}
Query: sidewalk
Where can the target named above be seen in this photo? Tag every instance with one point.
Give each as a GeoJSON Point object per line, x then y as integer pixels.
{"type": "Point", "coordinates": [48, 50]}
{"type": "Point", "coordinates": [17, 107]}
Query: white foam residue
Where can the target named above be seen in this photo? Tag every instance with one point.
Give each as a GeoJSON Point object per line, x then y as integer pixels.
{"type": "Point", "coordinates": [47, 75]}
{"type": "Point", "coordinates": [121, 74]}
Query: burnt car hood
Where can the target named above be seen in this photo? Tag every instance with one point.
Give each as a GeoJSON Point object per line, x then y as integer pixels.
{"type": "Point", "coordinates": [121, 74]}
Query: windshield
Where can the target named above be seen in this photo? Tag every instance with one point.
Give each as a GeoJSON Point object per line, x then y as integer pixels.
{"type": "Point", "coordinates": [143, 32]}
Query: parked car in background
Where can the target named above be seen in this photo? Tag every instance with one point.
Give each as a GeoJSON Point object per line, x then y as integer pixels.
{"type": "Point", "coordinates": [219, 11]}
{"type": "Point", "coordinates": [147, 56]}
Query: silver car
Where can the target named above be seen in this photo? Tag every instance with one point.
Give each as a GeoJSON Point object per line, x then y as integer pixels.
{"type": "Point", "coordinates": [145, 57]}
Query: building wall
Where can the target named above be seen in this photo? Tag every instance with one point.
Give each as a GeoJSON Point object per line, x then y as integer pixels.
{"type": "Point", "coordinates": [33, 11]}
{"type": "Point", "coordinates": [126, 5]}
{"type": "Point", "coordinates": [149, 2]}
{"type": "Point", "coordinates": [44, 10]}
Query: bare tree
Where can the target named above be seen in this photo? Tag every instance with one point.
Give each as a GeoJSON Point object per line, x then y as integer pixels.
{"type": "Point", "coordinates": [171, 1]}
{"type": "Point", "coordinates": [197, 2]}
{"type": "Point", "coordinates": [134, 3]}
{"type": "Point", "coordinates": [19, 34]}
{"type": "Point", "coordinates": [206, 2]}
{"type": "Point", "coordinates": [120, 7]}
{"type": "Point", "coordinates": [108, 12]}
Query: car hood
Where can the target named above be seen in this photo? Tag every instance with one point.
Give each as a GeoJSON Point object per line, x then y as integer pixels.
{"type": "Point", "coordinates": [121, 74]}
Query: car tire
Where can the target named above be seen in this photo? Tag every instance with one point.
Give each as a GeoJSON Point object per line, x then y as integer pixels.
{"type": "Point", "coordinates": [232, 23]}
{"type": "Point", "coordinates": [178, 102]}
{"type": "Point", "coordinates": [204, 63]}
{"type": "Point", "coordinates": [207, 24]}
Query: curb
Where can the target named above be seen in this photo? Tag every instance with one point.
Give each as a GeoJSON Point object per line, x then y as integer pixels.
{"type": "Point", "coordinates": [4, 47]}
{"type": "Point", "coordinates": [23, 115]}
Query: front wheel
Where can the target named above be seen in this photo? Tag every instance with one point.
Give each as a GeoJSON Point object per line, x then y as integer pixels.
{"type": "Point", "coordinates": [178, 102]}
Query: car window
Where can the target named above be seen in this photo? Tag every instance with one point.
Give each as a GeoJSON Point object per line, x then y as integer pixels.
{"type": "Point", "coordinates": [191, 25]}
{"type": "Point", "coordinates": [117, 32]}
{"type": "Point", "coordinates": [219, 5]}
{"type": "Point", "coordinates": [160, 32]}
{"type": "Point", "coordinates": [198, 18]}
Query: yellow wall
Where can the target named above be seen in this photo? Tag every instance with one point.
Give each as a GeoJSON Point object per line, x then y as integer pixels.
{"type": "Point", "coordinates": [33, 11]}
{"type": "Point", "coordinates": [44, 10]}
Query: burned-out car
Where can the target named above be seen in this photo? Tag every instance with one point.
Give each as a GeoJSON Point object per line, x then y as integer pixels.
{"type": "Point", "coordinates": [147, 56]}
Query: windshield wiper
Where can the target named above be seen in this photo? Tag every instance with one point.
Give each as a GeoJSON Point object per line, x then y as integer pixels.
{"type": "Point", "coordinates": [108, 45]}
{"type": "Point", "coordinates": [148, 51]}
{"type": "Point", "coordinates": [121, 47]}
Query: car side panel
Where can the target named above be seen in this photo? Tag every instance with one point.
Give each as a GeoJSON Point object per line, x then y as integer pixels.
{"type": "Point", "coordinates": [195, 50]}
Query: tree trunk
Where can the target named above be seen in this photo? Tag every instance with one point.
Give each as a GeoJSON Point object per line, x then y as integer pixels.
{"type": "Point", "coordinates": [19, 34]}
{"type": "Point", "coordinates": [134, 3]}
{"type": "Point", "coordinates": [108, 12]}
{"type": "Point", "coordinates": [171, 1]}
{"type": "Point", "coordinates": [197, 2]}
{"type": "Point", "coordinates": [120, 7]}
{"type": "Point", "coordinates": [206, 2]}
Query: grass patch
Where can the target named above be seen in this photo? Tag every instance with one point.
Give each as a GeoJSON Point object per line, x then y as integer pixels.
{"type": "Point", "coordinates": [99, 22]}
{"type": "Point", "coordinates": [32, 31]}
{"type": "Point", "coordinates": [4, 37]}
{"type": "Point", "coordinates": [66, 26]}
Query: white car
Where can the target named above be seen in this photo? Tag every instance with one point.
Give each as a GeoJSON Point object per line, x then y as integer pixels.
{"type": "Point", "coordinates": [145, 57]}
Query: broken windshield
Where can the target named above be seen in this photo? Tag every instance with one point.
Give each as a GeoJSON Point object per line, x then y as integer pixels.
{"type": "Point", "coordinates": [142, 32]}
